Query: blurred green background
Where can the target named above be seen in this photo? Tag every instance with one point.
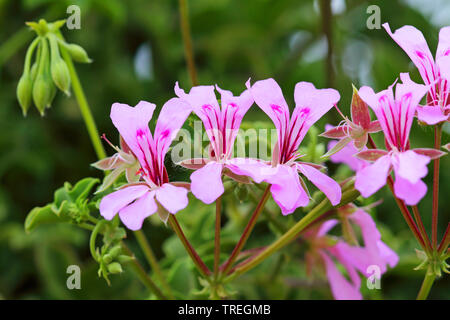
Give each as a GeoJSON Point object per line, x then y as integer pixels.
{"type": "Point", "coordinates": [138, 54]}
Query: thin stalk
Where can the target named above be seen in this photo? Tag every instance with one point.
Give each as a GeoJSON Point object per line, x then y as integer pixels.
{"type": "Point", "coordinates": [445, 240]}
{"type": "Point", "coordinates": [201, 266]}
{"type": "Point", "coordinates": [422, 230]}
{"type": "Point", "coordinates": [292, 233]}
{"type": "Point", "coordinates": [435, 210]}
{"type": "Point", "coordinates": [143, 276]}
{"type": "Point", "coordinates": [402, 206]}
{"type": "Point", "coordinates": [148, 252]}
{"type": "Point", "coordinates": [426, 286]}
{"type": "Point", "coordinates": [187, 41]}
{"type": "Point", "coordinates": [84, 106]}
{"type": "Point", "coordinates": [217, 237]}
{"type": "Point", "coordinates": [247, 231]}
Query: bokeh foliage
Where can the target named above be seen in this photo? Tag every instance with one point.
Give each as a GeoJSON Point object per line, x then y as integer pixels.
{"type": "Point", "coordinates": [138, 54]}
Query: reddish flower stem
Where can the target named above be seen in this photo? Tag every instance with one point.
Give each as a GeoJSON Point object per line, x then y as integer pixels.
{"type": "Point", "coordinates": [191, 251]}
{"type": "Point", "coordinates": [248, 229]}
{"type": "Point", "coordinates": [445, 240]}
{"type": "Point", "coordinates": [437, 145]}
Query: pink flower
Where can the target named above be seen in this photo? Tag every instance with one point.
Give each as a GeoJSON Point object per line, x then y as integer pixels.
{"type": "Point", "coordinates": [288, 190]}
{"type": "Point", "coordinates": [396, 117]}
{"type": "Point", "coordinates": [435, 72]}
{"type": "Point", "coordinates": [328, 251]}
{"type": "Point", "coordinates": [221, 125]}
{"type": "Point", "coordinates": [135, 202]}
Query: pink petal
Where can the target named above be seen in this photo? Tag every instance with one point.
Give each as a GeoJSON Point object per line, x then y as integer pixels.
{"type": "Point", "coordinates": [253, 168]}
{"type": "Point", "coordinates": [387, 254]}
{"type": "Point", "coordinates": [444, 66]}
{"type": "Point", "coordinates": [408, 94]}
{"type": "Point", "coordinates": [286, 189]}
{"type": "Point", "coordinates": [443, 48]}
{"type": "Point", "coordinates": [269, 97]}
{"type": "Point", "coordinates": [198, 97]}
{"type": "Point", "coordinates": [371, 178]}
{"type": "Point", "coordinates": [129, 120]}
{"type": "Point", "coordinates": [431, 114]}
{"type": "Point", "coordinates": [310, 105]}
{"type": "Point", "coordinates": [410, 165]}
{"type": "Point", "coordinates": [327, 185]}
{"type": "Point", "coordinates": [243, 102]}
{"type": "Point", "coordinates": [414, 44]}
{"type": "Point", "coordinates": [171, 118]}
{"type": "Point", "coordinates": [346, 155]}
{"type": "Point", "coordinates": [411, 193]}
{"type": "Point", "coordinates": [341, 288]}
{"type": "Point", "coordinates": [172, 198]}
{"type": "Point", "coordinates": [113, 202]}
{"type": "Point", "coordinates": [327, 226]}
{"type": "Point", "coordinates": [207, 182]}
{"type": "Point", "coordinates": [134, 214]}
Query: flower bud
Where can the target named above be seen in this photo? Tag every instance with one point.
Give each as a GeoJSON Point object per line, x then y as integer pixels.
{"type": "Point", "coordinates": [24, 90]}
{"type": "Point", "coordinates": [115, 251]}
{"type": "Point", "coordinates": [77, 53]}
{"type": "Point", "coordinates": [114, 268]}
{"type": "Point", "coordinates": [60, 74]}
{"type": "Point", "coordinates": [43, 89]}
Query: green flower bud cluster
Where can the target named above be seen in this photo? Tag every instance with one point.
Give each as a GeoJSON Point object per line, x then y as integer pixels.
{"type": "Point", "coordinates": [111, 255]}
{"type": "Point", "coordinates": [50, 69]}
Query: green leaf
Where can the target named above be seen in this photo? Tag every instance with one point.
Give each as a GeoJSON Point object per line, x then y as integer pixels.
{"type": "Point", "coordinates": [41, 215]}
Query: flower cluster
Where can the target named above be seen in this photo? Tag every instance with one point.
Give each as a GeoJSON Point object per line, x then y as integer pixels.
{"type": "Point", "coordinates": [149, 190]}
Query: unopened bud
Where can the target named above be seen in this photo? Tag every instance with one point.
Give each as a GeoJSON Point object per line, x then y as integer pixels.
{"type": "Point", "coordinates": [60, 74]}
{"type": "Point", "coordinates": [77, 53]}
{"type": "Point", "coordinates": [114, 268]}
{"type": "Point", "coordinates": [42, 92]}
{"type": "Point", "coordinates": [24, 92]}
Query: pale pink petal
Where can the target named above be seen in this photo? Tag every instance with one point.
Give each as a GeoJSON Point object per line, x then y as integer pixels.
{"type": "Point", "coordinates": [113, 202]}
{"type": "Point", "coordinates": [253, 168]}
{"type": "Point", "coordinates": [172, 198]}
{"type": "Point", "coordinates": [341, 288]}
{"type": "Point", "coordinates": [411, 193]}
{"type": "Point", "coordinates": [135, 213]}
{"type": "Point", "coordinates": [269, 97]}
{"type": "Point", "coordinates": [347, 155]}
{"type": "Point", "coordinates": [244, 101]}
{"type": "Point", "coordinates": [443, 48]}
{"type": "Point", "coordinates": [414, 44]}
{"type": "Point", "coordinates": [371, 178]}
{"type": "Point", "coordinates": [171, 118]}
{"type": "Point", "coordinates": [410, 165]}
{"type": "Point", "coordinates": [327, 185]}
{"type": "Point", "coordinates": [129, 121]}
{"type": "Point", "coordinates": [207, 182]}
{"type": "Point", "coordinates": [286, 189]}
{"type": "Point", "coordinates": [198, 97]}
{"type": "Point", "coordinates": [327, 226]}
{"type": "Point", "coordinates": [431, 114]}
{"type": "Point", "coordinates": [310, 105]}
{"type": "Point", "coordinates": [387, 254]}
{"type": "Point", "coordinates": [444, 67]}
